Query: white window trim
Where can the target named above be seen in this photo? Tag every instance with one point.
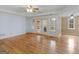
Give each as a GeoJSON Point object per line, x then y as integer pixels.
{"type": "Point", "coordinates": [73, 25]}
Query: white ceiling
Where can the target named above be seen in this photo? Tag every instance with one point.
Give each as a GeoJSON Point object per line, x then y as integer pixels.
{"type": "Point", "coordinates": [21, 10]}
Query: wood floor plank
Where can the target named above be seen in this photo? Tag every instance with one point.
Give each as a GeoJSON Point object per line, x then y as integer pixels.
{"type": "Point", "coordinates": [34, 43]}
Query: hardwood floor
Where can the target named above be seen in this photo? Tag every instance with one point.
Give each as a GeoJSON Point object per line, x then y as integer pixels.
{"type": "Point", "coordinates": [32, 43]}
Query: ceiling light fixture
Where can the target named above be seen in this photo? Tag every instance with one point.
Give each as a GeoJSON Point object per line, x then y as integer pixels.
{"type": "Point", "coordinates": [29, 8]}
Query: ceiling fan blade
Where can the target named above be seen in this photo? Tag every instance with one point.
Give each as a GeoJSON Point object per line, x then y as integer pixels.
{"type": "Point", "coordinates": [36, 8]}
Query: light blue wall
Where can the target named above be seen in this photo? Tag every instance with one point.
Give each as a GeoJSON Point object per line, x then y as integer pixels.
{"type": "Point", "coordinates": [30, 24]}
{"type": "Point", "coordinates": [13, 24]}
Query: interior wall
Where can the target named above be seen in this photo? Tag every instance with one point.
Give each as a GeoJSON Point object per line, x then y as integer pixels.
{"type": "Point", "coordinates": [72, 9]}
{"type": "Point", "coordinates": [65, 30]}
{"type": "Point", "coordinates": [13, 24]}
{"type": "Point", "coordinates": [58, 24]}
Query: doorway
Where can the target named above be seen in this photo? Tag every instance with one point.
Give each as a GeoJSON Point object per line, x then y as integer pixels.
{"type": "Point", "coordinates": [45, 26]}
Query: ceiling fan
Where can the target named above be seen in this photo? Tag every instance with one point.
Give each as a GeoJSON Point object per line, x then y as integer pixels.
{"type": "Point", "coordinates": [30, 8]}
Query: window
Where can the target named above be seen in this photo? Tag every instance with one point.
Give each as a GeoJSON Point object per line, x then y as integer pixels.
{"type": "Point", "coordinates": [71, 22]}
{"type": "Point", "coordinates": [52, 25]}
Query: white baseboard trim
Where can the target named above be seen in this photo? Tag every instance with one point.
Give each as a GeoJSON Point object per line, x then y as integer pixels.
{"type": "Point", "coordinates": [8, 36]}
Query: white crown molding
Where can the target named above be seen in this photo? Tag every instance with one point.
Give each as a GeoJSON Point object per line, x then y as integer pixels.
{"type": "Point", "coordinates": [50, 12]}
{"type": "Point", "coordinates": [46, 14]}
{"type": "Point", "coordinates": [31, 15]}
